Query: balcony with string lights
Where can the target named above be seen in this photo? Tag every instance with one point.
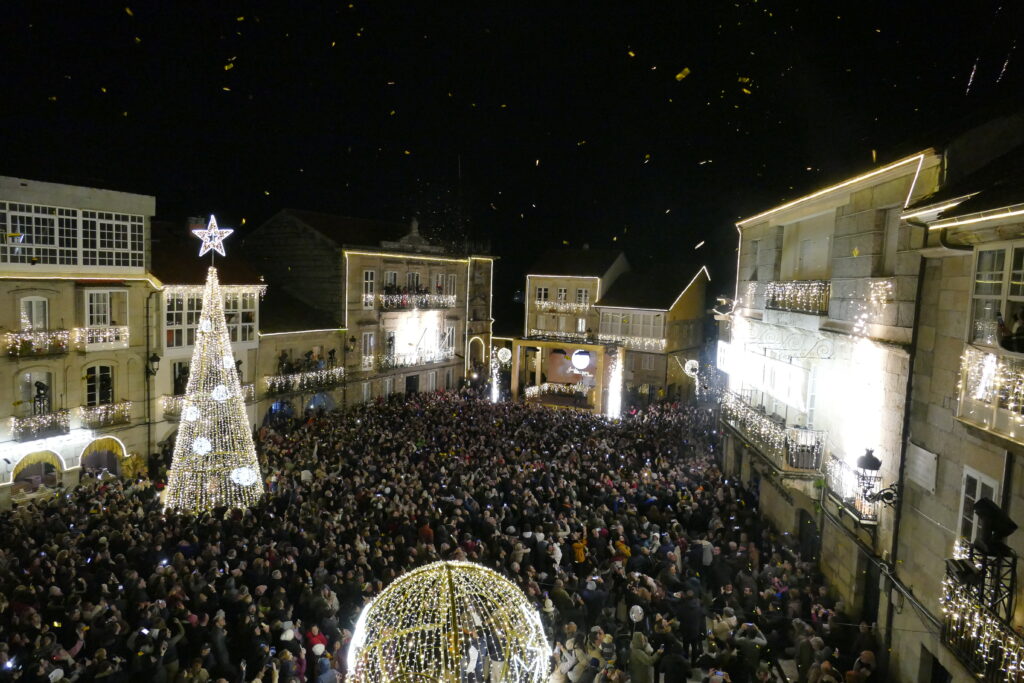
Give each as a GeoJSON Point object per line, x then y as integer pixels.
{"type": "Point", "coordinates": [415, 301]}
{"type": "Point", "coordinates": [100, 338]}
{"type": "Point", "coordinates": [810, 297]}
{"type": "Point", "coordinates": [40, 425]}
{"type": "Point", "coordinates": [36, 343]}
{"type": "Point", "coordinates": [793, 450]}
{"type": "Point", "coordinates": [107, 415]}
{"type": "Point", "coordinates": [992, 391]}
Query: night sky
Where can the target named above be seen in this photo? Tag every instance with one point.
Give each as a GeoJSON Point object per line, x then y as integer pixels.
{"type": "Point", "coordinates": [645, 126]}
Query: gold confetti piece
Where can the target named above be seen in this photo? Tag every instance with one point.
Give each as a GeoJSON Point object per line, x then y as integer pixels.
{"type": "Point", "coordinates": [52, 98]}
{"type": "Point", "coordinates": [647, 157]}
{"type": "Point", "coordinates": [137, 40]}
{"type": "Point", "coordinates": [631, 53]}
{"type": "Point", "coordinates": [668, 211]}
{"type": "Point", "coordinates": [242, 18]}
{"type": "Point", "coordinates": [392, 112]}
{"type": "Point", "coordinates": [746, 90]}
{"type": "Point", "coordinates": [615, 239]}
{"type": "Point", "coordinates": [504, 106]}
{"type": "Point", "coordinates": [565, 242]}
{"type": "Point", "coordinates": [407, 152]}
{"type": "Point", "coordinates": [229, 66]}
{"type": "Point", "coordinates": [129, 12]}
{"type": "Point", "coordinates": [743, 79]}
{"type": "Point", "coordinates": [124, 113]}
{"type": "Point", "coordinates": [581, 143]}
{"type": "Point", "coordinates": [243, 220]}
{"type": "Point", "coordinates": [874, 156]}
{"type": "Point", "coordinates": [683, 74]}
{"type": "Point", "coordinates": [226, 89]}
{"type": "Point", "coordinates": [536, 162]}
{"type": "Point", "coordinates": [855, 252]}
{"type": "Point", "coordinates": [103, 90]}
{"type": "Point", "coordinates": [266, 193]}
{"type": "Point", "coordinates": [699, 245]}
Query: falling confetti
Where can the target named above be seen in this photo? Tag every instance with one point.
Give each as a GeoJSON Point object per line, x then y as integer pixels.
{"type": "Point", "coordinates": [699, 245]}
{"type": "Point", "coordinates": [536, 162]}
{"type": "Point", "coordinates": [683, 74]}
{"type": "Point", "coordinates": [581, 143]}
{"type": "Point", "coordinates": [229, 66]}
{"type": "Point", "coordinates": [407, 152]}
{"type": "Point", "coordinates": [266, 193]}
{"type": "Point", "coordinates": [137, 40]}
{"type": "Point", "coordinates": [631, 53]}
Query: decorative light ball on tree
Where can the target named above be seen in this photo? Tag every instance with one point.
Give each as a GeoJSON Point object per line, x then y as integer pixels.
{"type": "Point", "coordinates": [452, 622]}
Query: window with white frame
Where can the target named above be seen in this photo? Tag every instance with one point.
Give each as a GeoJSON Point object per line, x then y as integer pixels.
{"type": "Point", "coordinates": [181, 318]}
{"type": "Point", "coordinates": [448, 379]}
{"type": "Point", "coordinates": [412, 281]}
{"type": "Point", "coordinates": [449, 284]}
{"type": "Point", "coordinates": [369, 348]}
{"type": "Point", "coordinates": [447, 344]}
{"type": "Point", "coordinates": [366, 392]}
{"type": "Point", "coordinates": [35, 313]}
{"type": "Point", "coordinates": [179, 377]}
{"type": "Point", "coordinates": [240, 315]}
{"type": "Point", "coordinates": [390, 279]}
{"type": "Point", "coordinates": [646, 361]}
{"type": "Point", "coordinates": [542, 294]}
{"type": "Point", "coordinates": [562, 294]}
{"type": "Point", "coordinates": [438, 283]}
{"type": "Point", "coordinates": [582, 296]}
{"type": "Point", "coordinates": [368, 283]}
{"type": "Point", "coordinates": [432, 380]}
{"type": "Point", "coordinates": [112, 239]}
{"type": "Point", "coordinates": [388, 386]}
{"type": "Point", "coordinates": [975, 487]}
{"type": "Point", "coordinates": [97, 309]}
{"type": "Point", "coordinates": [99, 385]}
{"type": "Point", "coordinates": [581, 325]}
{"type": "Point", "coordinates": [32, 402]}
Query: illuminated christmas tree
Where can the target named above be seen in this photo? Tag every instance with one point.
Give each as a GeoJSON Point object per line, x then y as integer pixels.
{"type": "Point", "coordinates": [215, 461]}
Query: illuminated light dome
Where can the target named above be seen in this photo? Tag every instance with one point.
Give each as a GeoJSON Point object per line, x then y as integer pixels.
{"type": "Point", "coordinates": [447, 621]}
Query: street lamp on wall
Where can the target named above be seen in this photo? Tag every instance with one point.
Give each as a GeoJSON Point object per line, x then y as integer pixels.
{"type": "Point", "coordinates": [153, 365]}
{"type": "Point", "coordinates": [868, 478]}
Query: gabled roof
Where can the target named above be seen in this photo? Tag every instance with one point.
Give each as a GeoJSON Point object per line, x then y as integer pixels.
{"type": "Point", "coordinates": [575, 262]}
{"type": "Point", "coordinates": [348, 231]}
{"type": "Point", "coordinates": [174, 258]}
{"type": "Point", "coordinates": [281, 312]}
{"type": "Point", "coordinates": [655, 288]}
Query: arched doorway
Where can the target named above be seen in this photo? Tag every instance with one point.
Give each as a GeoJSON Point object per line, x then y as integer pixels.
{"type": "Point", "coordinates": [41, 468]}
{"type": "Point", "coordinates": [321, 401]}
{"type": "Point", "coordinates": [810, 538]}
{"type": "Point", "coordinates": [476, 353]}
{"type": "Point", "coordinates": [103, 455]}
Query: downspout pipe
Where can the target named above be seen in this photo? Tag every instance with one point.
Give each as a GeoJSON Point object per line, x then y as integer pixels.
{"type": "Point", "coordinates": [149, 377]}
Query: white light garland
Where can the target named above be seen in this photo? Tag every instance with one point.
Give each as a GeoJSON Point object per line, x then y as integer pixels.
{"type": "Point", "coordinates": [109, 337]}
{"type": "Point", "coordinates": [404, 360]}
{"type": "Point", "coordinates": [172, 406]}
{"type": "Point", "coordinates": [309, 380]}
{"type": "Point", "coordinates": [443, 622]}
{"type": "Point", "coordinates": [546, 306]}
{"type": "Point", "coordinates": [105, 415]}
{"type": "Point", "coordinates": [798, 296]}
{"type": "Point", "coordinates": [844, 482]}
{"type": "Point", "coordinates": [992, 648]}
{"type": "Point", "coordinates": [228, 290]}
{"type": "Point", "coordinates": [879, 293]}
{"type": "Point", "coordinates": [37, 343]}
{"type": "Point", "coordinates": [794, 448]}
{"type": "Point", "coordinates": [31, 426]}
{"type": "Point", "coordinates": [635, 343]}
{"type": "Point", "coordinates": [558, 334]}
{"type": "Point", "coordinates": [411, 301]}
{"type": "Point", "coordinates": [555, 388]}
{"type": "Point", "coordinates": [210, 449]}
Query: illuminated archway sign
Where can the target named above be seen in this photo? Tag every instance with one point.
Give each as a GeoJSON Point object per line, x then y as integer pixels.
{"type": "Point", "coordinates": [580, 359]}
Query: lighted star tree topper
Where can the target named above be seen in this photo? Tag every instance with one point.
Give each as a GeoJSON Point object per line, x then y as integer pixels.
{"type": "Point", "coordinates": [214, 461]}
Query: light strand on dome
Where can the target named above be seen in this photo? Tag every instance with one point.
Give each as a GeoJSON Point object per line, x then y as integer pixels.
{"type": "Point", "coordinates": [214, 461]}
{"type": "Point", "coordinates": [441, 622]}
{"type": "Point", "coordinates": [105, 415]}
{"type": "Point", "coordinates": [37, 342]}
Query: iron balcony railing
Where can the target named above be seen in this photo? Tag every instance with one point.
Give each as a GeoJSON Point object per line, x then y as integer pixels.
{"type": "Point", "coordinates": [852, 489]}
{"type": "Point", "coordinates": [798, 296]}
{"type": "Point", "coordinates": [33, 343]}
{"type": "Point", "coordinates": [788, 448]}
{"type": "Point", "coordinates": [107, 415]}
{"type": "Point", "coordinates": [32, 427]}
{"type": "Point", "coordinates": [307, 381]}
{"type": "Point", "coordinates": [979, 637]}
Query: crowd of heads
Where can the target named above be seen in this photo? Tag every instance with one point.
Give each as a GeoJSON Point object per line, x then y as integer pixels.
{"type": "Point", "coordinates": [641, 557]}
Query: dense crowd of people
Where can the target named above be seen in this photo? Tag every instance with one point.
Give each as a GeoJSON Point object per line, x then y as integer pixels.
{"type": "Point", "coordinates": [645, 563]}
